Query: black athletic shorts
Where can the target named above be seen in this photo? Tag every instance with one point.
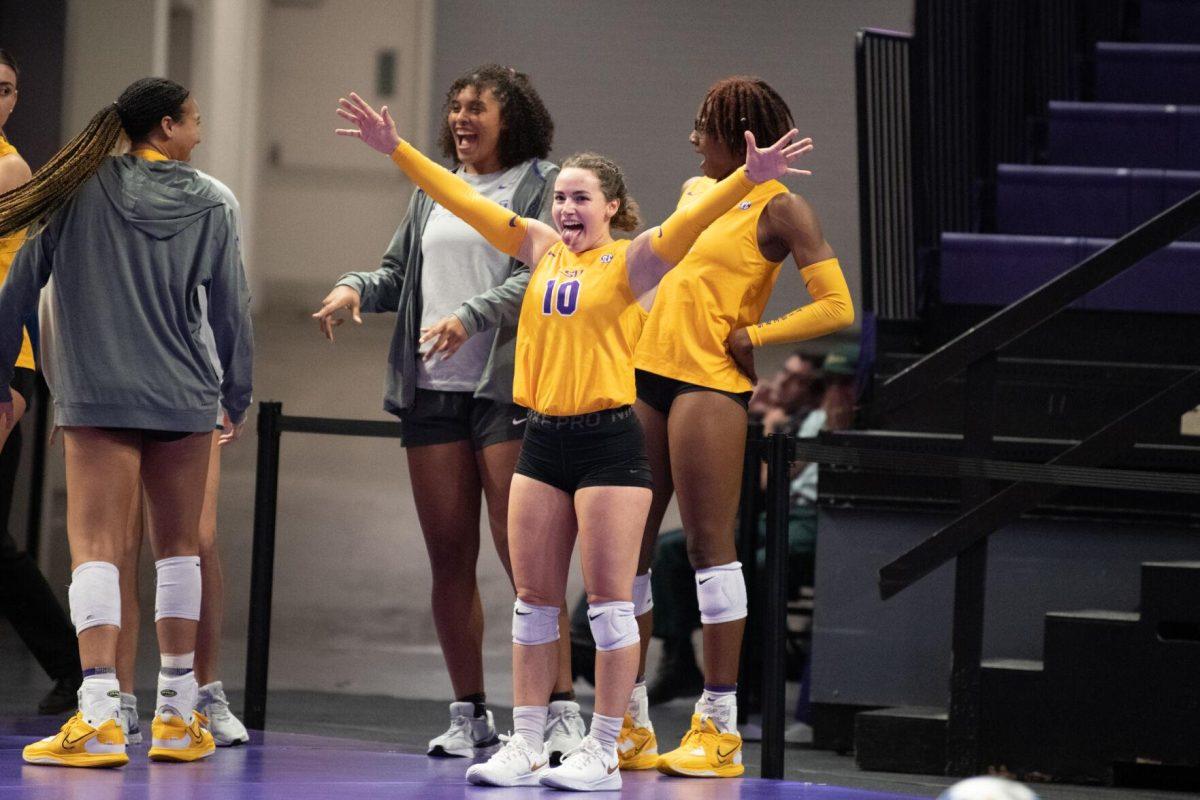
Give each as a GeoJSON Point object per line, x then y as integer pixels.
{"type": "Point", "coordinates": [659, 392]}
{"type": "Point", "coordinates": [604, 448]}
{"type": "Point", "coordinates": [155, 435]}
{"type": "Point", "coordinates": [24, 383]}
{"type": "Point", "coordinates": [444, 417]}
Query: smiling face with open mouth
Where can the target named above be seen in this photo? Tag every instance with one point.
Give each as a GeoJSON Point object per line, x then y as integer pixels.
{"type": "Point", "coordinates": [475, 124]}
{"type": "Point", "coordinates": [581, 212]}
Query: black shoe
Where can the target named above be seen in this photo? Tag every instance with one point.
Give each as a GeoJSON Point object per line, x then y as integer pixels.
{"type": "Point", "coordinates": [63, 697]}
{"type": "Point", "coordinates": [678, 675]}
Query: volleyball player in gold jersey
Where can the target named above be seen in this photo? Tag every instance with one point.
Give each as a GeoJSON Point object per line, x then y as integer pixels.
{"type": "Point", "coordinates": [582, 465]}
{"type": "Point", "coordinates": [695, 370]}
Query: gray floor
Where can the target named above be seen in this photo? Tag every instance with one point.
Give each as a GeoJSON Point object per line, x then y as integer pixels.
{"type": "Point", "coordinates": [353, 649]}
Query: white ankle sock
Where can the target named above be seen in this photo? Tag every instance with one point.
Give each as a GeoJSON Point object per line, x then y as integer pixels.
{"type": "Point", "coordinates": [605, 730]}
{"type": "Point", "coordinates": [529, 722]}
{"type": "Point", "coordinates": [721, 707]}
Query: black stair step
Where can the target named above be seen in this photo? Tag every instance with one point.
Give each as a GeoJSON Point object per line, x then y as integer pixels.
{"type": "Point", "coordinates": [1013, 718]}
{"type": "Point", "coordinates": [1171, 598]}
{"type": "Point", "coordinates": [908, 739]}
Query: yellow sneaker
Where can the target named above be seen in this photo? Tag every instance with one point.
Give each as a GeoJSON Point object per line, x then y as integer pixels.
{"type": "Point", "coordinates": [637, 747]}
{"type": "Point", "coordinates": [172, 740]}
{"type": "Point", "coordinates": [704, 752]}
{"type": "Point", "coordinates": [78, 744]}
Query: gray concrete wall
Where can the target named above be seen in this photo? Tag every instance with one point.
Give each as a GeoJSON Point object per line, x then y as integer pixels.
{"type": "Point", "coordinates": [625, 78]}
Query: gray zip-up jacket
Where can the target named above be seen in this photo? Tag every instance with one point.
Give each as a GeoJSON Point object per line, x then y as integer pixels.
{"type": "Point", "coordinates": [129, 255]}
{"type": "Point", "coordinates": [396, 286]}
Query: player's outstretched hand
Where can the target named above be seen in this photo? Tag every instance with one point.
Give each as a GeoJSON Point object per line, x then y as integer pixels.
{"type": "Point", "coordinates": [374, 128]}
{"type": "Point", "coordinates": [770, 163]}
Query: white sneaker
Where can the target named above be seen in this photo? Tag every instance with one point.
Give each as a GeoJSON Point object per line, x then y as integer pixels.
{"type": "Point", "coordinates": [466, 734]}
{"type": "Point", "coordinates": [514, 764]}
{"type": "Point", "coordinates": [226, 729]}
{"type": "Point", "coordinates": [564, 729]}
{"type": "Point", "coordinates": [587, 768]}
{"type": "Point", "coordinates": [129, 719]}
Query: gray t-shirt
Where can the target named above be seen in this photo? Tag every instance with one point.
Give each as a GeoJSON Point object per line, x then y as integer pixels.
{"type": "Point", "coordinates": [459, 264]}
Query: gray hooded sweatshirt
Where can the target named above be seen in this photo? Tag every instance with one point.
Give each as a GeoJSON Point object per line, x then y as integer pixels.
{"type": "Point", "coordinates": [130, 254]}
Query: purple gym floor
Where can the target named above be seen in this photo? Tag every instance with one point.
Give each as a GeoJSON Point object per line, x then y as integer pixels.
{"type": "Point", "coordinates": [294, 766]}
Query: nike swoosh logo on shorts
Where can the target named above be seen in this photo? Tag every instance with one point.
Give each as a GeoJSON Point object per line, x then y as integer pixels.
{"type": "Point", "coordinates": [520, 421]}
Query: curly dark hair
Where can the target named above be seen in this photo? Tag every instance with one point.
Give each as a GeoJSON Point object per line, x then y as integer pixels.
{"type": "Point", "coordinates": [527, 130]}
{"type": "Point", "coordinates": [743, 103]}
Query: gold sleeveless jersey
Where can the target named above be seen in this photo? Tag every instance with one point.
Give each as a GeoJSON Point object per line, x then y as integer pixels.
{"type": "Point", "coordinates": [9, 245]}
{"type": "Point", "coordinates": [722, 284]}
{"type": "Point", "coordinates": [578, 327]}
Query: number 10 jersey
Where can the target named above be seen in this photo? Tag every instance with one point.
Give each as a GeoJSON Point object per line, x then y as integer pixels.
{"type": "Point", "coordinates": [579, 326]}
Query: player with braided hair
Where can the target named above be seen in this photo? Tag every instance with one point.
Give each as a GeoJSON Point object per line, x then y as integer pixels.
{"type": "Point", "coordinates": [695, 370]}
{"type": "Point", "coordinates": [131, 242]}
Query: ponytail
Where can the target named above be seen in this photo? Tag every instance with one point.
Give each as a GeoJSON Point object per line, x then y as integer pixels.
{"type": "Point", "coordinates": [137, 111]}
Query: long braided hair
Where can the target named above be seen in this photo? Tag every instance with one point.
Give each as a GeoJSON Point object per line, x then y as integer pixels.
{"type": "Point", "coordinates": [139, 109]}
{"type": "Point", "coordinates": [743, 103]}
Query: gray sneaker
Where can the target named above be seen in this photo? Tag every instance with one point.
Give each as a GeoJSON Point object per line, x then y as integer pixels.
{"type": "Point", "coordinates": [129, 719]}
{"type": "Point", "coordinates": [564, 729]}
{"type": "Point", "coordinates": [226, 729]}
{"type": "Point", "coordinates": [467, 736]}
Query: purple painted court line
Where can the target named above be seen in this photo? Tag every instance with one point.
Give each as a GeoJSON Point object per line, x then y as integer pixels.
{"type": "Point", "coordinates": [297, 767]}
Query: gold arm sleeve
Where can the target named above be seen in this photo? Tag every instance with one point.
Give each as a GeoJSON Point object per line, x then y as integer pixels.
{"type": "Point", "coordinates": [830, 310]}
{"type": "Point", "coordinates": [679, 232]}
{"type": "Point", "coordinates": [503, 229]}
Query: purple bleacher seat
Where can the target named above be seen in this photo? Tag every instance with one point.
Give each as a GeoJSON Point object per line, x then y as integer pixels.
{"type": "Point", "coordinates": [1062, 201]}
{"type": "Point", "coordinates": [999, 269]}
{"type": "Point", "coordinates": [1085, 201]}
{"type": "Point", "coordinates": [1133, 72]}
{"type": "Point", "coordinates": [1170, 21]}
{"type": "Point", "coordinates": [1124, 135]}
{"type": "Point", "coordinates": [1167, 282]}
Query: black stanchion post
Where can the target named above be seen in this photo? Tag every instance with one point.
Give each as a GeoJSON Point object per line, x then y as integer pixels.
{"type": "Point", "coordinates": [774, 605]}
{"type": "Point", "coordinates": [266, 492]}
{"type": "Point", "coordinates": [37, 481]}
{"type": "Point", "coordinates": [748, 511]}
{"type": "Point", "coordinates": [970, 578]}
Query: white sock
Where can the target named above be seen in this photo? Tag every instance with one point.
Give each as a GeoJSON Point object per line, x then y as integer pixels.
{"type": "Point", "coordinates": [100, 699]}
{"type": "Point", "coordinates": [639, 707]}
{"type": "Point", "coordinates": [605, 730]}
{"type": "Point", "coordinates": [529, 722]}
{"type": "Point", "coordinates": [179, 664]}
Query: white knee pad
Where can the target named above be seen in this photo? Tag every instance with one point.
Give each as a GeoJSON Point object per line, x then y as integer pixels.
{"type": "Point", "coordinates": [721, 593]}
{"type": "Point", "coordinates": [534, 624]}
{"type": "Point", "coordinates": [613, 625]}
{"type": "Point", "coordinates": [95, 595]}
{"type": "Point", "coordinates": [643, 600]}
{"type": "Point", "coordinates": [178, 590]}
